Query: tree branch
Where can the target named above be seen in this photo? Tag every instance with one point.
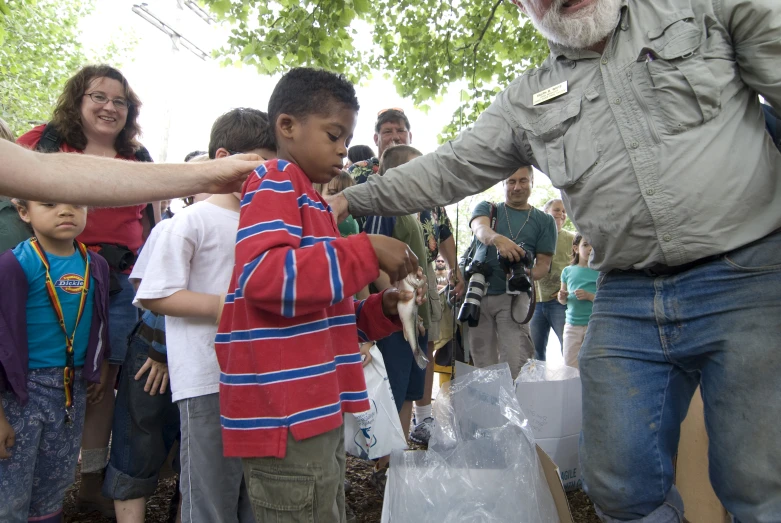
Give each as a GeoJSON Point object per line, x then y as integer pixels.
{"type": "Point", "coordinates": [480, 39]}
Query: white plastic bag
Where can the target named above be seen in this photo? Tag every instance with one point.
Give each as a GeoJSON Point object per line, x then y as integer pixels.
{"type": "Point", "coordinates": [376, 432]}
{"type": "Point", "coordinates": [481, 464]}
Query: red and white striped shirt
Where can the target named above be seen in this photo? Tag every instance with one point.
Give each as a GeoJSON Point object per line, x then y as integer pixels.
{"type": "Point", "coordinates": [288, 338]}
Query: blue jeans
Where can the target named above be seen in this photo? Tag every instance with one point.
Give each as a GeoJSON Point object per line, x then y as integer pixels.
{"type": "Point", "coordinates": [547, 315]}
{"type": "Point", "coordinates": [122, 317]}
{"type": "Point", "coordinates": [144, 429]}
{"type": "Point", "coordinates": [650, 342]}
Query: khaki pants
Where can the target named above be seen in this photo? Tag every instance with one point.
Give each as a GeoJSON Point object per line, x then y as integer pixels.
{"type": "Point", "coordinates": [573, 339]}
{"type": "Point", "coordinates": [306, 485]}
{"type": "Point", "coordinates": [498, 338]}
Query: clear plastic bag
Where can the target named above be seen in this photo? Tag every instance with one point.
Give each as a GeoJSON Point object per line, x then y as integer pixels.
{"type": "Point", "coordinates": [536, 370]}
{"type": "Point", "coordinates": [481, 464]}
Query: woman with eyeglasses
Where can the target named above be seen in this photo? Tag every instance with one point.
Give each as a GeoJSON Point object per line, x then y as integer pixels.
{"type": "Point", "coordinates": [97, 114]}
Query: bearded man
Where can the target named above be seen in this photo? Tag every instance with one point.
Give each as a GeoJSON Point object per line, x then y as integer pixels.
{"type": "Point", "coordinates": [646, 115]}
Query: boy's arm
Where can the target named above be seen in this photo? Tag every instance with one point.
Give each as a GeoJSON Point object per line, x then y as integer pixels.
{"type": "Point", "coordinates": [186, 304]}
{"type": "Point", "coordinates": [371, 321]}
{"type": "Point", "coordinates": [283, 271]}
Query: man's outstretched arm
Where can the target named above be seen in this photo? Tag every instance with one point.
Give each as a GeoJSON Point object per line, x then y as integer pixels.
{"type": "Point", "coordinates": [90, 180]}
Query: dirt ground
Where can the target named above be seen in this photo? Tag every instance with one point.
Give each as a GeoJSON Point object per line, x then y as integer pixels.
{"type": "Point", "coordinates": [364, 500]}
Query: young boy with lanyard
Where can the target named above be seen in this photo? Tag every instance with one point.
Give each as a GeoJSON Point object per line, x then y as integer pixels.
{"type": "Point", "coordinates": [288, 342]}
{"type": "Point", "coordinates": [53, 340]}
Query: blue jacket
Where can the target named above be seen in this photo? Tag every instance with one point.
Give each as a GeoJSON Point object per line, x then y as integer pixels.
{"type": "Point", "coordinates": [13, 325]}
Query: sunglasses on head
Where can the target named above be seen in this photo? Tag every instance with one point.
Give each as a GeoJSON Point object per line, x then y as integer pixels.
{"type": "Point", "coordinates": [397, 109]}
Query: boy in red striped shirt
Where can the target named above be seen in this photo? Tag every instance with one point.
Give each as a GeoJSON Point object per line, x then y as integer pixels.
{"type": "Point", "coordinates": [287, 342]}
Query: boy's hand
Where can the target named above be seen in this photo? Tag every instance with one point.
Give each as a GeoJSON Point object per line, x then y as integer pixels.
{"type": "Point", "coordinates": [157, 381]}
{"type": "Point", "coordinates": [584, 295]}
{"type": "Point", "coordinates": [7, 437]}
{"type": "Point", "coordinates": [366, 356]}
{"type": "Point", "coordinates": [395, 257]}
{"type": "Point", "coordinates": [392, 297]}
{"type": "Point", "coordinates": [95, 391]}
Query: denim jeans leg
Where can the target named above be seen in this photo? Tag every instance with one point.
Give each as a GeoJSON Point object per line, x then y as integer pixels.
{"type": "Point", "coordinates": [737, 329]}
{"type": "Point", "coordinates": [540, 328]}
{"type": "Point", "coordinates": [122, 317]}
{"type": "Point", "coordinates": [634, 400]}
{"type": "Point", "coordinates": [557, 316]}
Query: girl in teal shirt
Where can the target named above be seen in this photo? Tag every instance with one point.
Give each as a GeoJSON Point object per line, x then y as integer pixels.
{"type": "Point", "coordinates": [578, 286]}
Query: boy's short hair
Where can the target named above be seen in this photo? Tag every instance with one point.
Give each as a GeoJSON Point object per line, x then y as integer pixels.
{"type": "Point", "coordinates": [395, 156]}
{"type": "Point", "coordinates": [241, 130]}
{"type": "Point", "coordinates": [193, 154]}
{"type": "Point", "coordinates": [393, 116]}
{"type": "Point", "coordinates": [304, 91]}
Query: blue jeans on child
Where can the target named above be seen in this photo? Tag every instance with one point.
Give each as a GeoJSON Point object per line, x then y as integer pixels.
{"type": "Point", "coordinates": [547, 315]}
{"type": "Point", "coordinates": [144, 431]}
{"type": "Point", "coordinates": [650, 342]}
{"type": "Point", "coordinates": [43, 460]}
{"type": "Point", "coordinates": [122, 317]}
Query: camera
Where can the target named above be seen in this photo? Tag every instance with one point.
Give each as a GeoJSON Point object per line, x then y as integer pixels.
{"type": "Point", "coordinates": [517, 279]}
{"type": "Point", "coordinates": [476, 273]}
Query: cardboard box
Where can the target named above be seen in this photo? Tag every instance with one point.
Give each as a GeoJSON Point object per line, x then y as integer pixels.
{"type": "Point", "coordinates": [691, 469]}
{"type": "Point", "coordinates": [554, 410]}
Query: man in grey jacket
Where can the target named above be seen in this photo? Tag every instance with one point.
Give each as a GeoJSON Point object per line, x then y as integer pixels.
{"type": "Point", "coordinates": [646, 115]}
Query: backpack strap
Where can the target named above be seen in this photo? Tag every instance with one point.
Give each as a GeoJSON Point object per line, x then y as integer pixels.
{"type": "Point", "coordinates": [50, 140]}
{"type": "Point", "coordinates": [492, 217]}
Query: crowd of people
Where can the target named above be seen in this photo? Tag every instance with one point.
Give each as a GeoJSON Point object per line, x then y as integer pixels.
{"type": "Point", "coordinates": [238, 327]}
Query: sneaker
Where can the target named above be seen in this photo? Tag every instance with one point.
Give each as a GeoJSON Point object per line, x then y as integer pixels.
{"type": "Point", "coordinates": [422, 432]}
{"type": "Point", "coordinates": [351, 517]}
{"type": "Point", "coordinates": [348, 487]}
{"type": "Point", "coordinates": [378, 479]}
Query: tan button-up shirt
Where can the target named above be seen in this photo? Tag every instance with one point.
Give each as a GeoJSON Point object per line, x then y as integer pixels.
{"type": "Point", "coordinates": [658, 145]}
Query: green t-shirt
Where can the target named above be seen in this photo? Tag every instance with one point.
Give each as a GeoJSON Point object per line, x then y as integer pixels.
{"type": "Point", "coordinates": [549, 285]}
{"type": "Point", "coordinates": [577, 277]}
{"type": "Point", "coordinates": [409, 230]}
{"type": "Point", "coordinates": [538, 236]}
{"type": "Point", "coordinates": [348, 227]}
{"type": "Point", "coordinates": [13, 230]}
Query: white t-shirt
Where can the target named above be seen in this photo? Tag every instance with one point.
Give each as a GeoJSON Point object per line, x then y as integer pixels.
{"type": "Point", "coordinates": [137, 274]}
{"type": "Point", "coordinates": [194, 252]}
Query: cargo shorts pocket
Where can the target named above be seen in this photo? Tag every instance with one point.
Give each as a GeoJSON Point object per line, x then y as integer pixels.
{"type": "Point", "coordinates": [278, 498]}
{"type": "Point", "coordinates": [684, 87]}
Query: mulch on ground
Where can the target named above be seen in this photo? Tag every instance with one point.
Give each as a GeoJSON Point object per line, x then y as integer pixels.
{"type": "Point", "coordinates": [364, 500]}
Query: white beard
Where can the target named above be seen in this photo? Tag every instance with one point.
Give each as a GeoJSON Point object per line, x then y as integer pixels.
{"type": "Point", "coordinates": [579, 30]}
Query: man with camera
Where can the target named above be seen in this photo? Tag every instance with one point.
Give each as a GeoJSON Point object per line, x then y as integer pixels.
{"type": "Point", "coordinates": [511, 236]}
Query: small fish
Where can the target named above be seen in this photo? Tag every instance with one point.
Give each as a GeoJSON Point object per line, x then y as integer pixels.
{"type": "Point", "coordinates": [408, 312]}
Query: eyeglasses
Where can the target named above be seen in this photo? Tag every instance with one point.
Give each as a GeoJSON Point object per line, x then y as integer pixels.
{"type": "Point", "coordinates": [101, 99]}
{"type": "Point", "coordinates": [397, 109]}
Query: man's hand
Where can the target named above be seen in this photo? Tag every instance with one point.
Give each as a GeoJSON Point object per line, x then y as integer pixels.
{"type": "Point", "coordinates": [563, 297]}
{"type": "Point", "coordinates": [228, 174]}
{"type": "Point", "coordinates": [395, 257]}
{"type": "Point", "coordinates": [457, 281]}
{"type": "Point", "coordinates": [507, 248]}
{"type": "Point", "coordinates": [339, 206]}
{"type": "Point", "coordinates": [157, 381]}
{"type": "Point", "coordinates": [95, 391]}
{"type": "Point", "coordinates": [584, 295]}
{"type": "Point", "coordinates": [392, 297]}
{"type": "Point", "coordinates": [7, 437]}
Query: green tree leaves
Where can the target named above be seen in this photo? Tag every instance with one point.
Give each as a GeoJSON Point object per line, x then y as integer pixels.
{"type": "Point", "coordinates": [425, 45]}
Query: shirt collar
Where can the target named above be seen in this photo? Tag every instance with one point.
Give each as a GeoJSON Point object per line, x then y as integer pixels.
{"type": "Point", "coordinates": [559, 51]}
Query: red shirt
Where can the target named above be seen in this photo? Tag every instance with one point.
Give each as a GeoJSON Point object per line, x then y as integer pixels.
{"type": "Point", "coordinates": [115, 225]}
{"type": "Point", "coordinates": [287, 343]}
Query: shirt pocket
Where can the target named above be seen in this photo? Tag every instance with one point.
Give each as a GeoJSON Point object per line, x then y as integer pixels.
{"type": "Point", "coordinates": [561, 139]}
{"type": "Point", "coordinates": [684, 87]}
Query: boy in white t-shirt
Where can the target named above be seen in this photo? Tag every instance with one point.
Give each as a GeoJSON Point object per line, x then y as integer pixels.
{"type": "Point", "coordinates": [186, 280]}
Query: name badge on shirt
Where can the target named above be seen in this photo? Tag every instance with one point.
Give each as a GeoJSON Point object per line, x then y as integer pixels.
{"type": "Point", "coordinates": [550, 93]}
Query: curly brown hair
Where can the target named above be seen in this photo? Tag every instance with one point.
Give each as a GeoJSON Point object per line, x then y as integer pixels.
{"type": "Point", "coordinates": [67, 115]}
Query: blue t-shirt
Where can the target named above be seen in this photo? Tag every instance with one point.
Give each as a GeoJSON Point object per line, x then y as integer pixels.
{"type": "Point", "coordinates": [45, 339]}
{"type": "Point", "coordinates": [538, 236]}
{"type": "Point", "coordinates": [577, 277]}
